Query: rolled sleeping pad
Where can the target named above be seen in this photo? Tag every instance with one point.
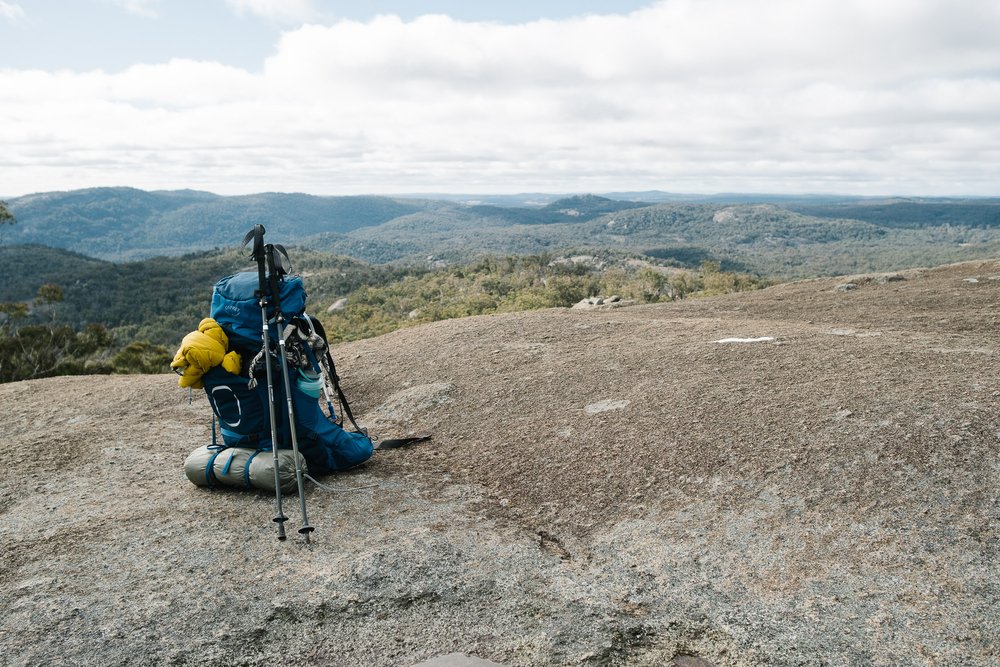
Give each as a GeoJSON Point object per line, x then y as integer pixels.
{"type": "Point", "coordinates": [243, 467]}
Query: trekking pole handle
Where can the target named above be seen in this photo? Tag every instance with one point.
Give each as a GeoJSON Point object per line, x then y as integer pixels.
{"type": "Point", "coordinates": [257, 236]}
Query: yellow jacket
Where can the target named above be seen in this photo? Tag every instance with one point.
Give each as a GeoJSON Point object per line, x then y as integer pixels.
{"type": "Point", "coordinates": [201, 350]}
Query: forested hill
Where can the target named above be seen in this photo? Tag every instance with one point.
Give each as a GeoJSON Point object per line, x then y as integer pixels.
{"type": "Point", "coordinates": [903, 213]}
{"type": "Point", "coordinates": [125, 223]}
{"type": "Point", "coordinates": [157, 299]}
{"type": "Point", "coordinates": [120, 224]}
{"type": "Point", "coordinates": [768, 235]}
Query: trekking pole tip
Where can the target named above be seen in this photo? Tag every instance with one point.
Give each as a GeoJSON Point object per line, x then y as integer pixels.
{"type": "Point", "coordinates": [280, 520]}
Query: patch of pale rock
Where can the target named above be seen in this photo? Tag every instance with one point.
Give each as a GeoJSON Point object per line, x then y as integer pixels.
{"type": "Point", "coordinates": [613, 301]}
{"type": "Point", "coordinates": [607, 405]}
{"type": "Point", "coordinates": [337, 305]}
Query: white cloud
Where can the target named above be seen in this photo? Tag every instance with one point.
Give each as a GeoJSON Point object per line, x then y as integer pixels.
{"type": "Point", "coordinates": [11, 11]}
{"type": "Point", "coordinates": [147, 8]}
{"type": "Point", "coordinates": [685, 95]}
{"type": "Point", "coordinates": [283, 11]}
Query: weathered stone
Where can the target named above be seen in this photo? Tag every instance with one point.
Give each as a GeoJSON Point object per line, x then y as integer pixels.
{"type": "Point", "coordinates": [614, 301]}
{"type": "Point", "coordinates": [725, 515]}
{"type": "Point", "coordinates": [690, 661]}
{"type": "Point", "coordinates": [402, 406]}
{"type": "Point", "coordinates": [606, 405]}
{"type": "Point", "coordinates": [458, 660]}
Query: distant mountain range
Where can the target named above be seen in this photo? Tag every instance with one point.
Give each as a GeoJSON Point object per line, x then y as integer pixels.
{"type": "Point", "coordinates": [143, 264]}
{"type": "Point", "coordinates": [792, 236]}
{"type": "Point", "coordinates": [125, 223]}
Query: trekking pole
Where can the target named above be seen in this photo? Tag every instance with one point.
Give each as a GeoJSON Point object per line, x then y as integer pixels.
{"type": "Point", "coordinates": [275, 270]}
{"type": "Point", "coordinates": [257, 236]}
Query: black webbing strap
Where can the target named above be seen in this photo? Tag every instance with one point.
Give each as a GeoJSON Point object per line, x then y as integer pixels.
{"type": "Point", "coordinates": [393, 443]}
{"type": "Point", "coordinates": [344, 405]}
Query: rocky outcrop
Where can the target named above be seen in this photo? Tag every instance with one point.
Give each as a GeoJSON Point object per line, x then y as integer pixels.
{"type": "Point", "coordinates": [595, 302]}
{"type": "Point", "coordinates": [602, 488]}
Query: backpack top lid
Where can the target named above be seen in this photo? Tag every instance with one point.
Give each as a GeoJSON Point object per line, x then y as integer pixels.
{"type": "Point", "coordinates": [236, 307]}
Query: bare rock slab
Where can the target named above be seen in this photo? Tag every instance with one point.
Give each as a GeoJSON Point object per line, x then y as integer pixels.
{"type": "Point", "coordinates": [457, 660]}
{"type": "Point", "coordinates": [606, 405]}
{"type": "Point", "coordinates": [402, 406]}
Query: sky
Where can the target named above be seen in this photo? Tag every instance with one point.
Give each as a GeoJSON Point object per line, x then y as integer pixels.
{"type": "Point", "coordinates": [330, 97]}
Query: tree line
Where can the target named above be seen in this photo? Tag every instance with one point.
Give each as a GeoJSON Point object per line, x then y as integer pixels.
{"type": "Point", "coordinates": [57, 331]}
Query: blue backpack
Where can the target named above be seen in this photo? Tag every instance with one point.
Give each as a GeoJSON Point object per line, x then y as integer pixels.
{"type": "Point", "coordinates": [241, 404]}
{"type": "Point", "coordinates": [236, 307]}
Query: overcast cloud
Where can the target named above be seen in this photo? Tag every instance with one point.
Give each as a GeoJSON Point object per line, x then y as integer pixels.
{"type": "Point", "coordinates": [888, 97]}
{"type": "Point", "coordinates": [10, 11]}
{"type": "Point", "coordinates": [147, 8]}
{"type": "Point", "coordinates": [289, 11]}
